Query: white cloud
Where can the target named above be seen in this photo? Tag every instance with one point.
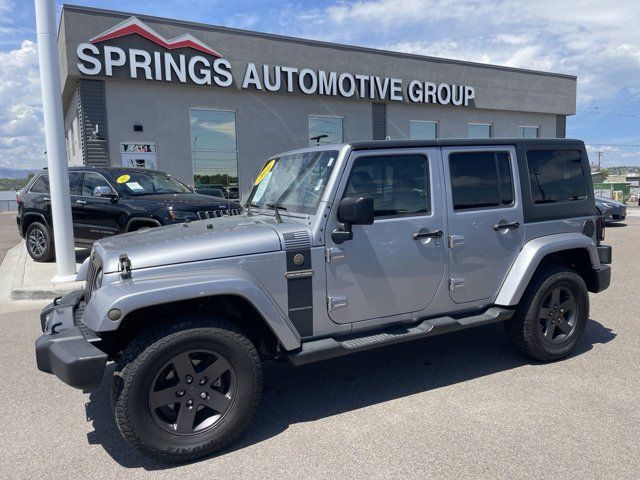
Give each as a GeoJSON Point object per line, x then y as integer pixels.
{"type": "Point", "coordinates": [21, 129]}
{"type": "Point", "coordinates": [599, 43]}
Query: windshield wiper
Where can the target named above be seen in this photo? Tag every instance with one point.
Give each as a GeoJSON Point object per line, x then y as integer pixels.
{"type": "Point", "coordinates": [276, 210]}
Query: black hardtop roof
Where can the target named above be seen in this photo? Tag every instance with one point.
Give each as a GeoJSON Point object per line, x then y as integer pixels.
{"type": "Point", "coordinates": [468, 142]}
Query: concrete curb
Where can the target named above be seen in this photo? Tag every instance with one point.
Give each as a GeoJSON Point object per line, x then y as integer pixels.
{"type": "Point", "coordinates": [12, 272]}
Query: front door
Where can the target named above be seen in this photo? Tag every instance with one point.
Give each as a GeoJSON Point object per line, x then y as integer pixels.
{"type": "Point", "coordinates": [485, 219]}
{"type": "Point", "coordinates": [396, 265]}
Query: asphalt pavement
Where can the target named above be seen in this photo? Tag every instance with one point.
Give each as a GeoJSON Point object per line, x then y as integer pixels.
{"type": "Point", "coordinates": [9, 235]}
{"type": "Point", "coordinates": [463, 405]}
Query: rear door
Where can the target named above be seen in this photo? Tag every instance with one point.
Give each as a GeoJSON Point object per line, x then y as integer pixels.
{"type": "Point", "coordinates": [485, 219]}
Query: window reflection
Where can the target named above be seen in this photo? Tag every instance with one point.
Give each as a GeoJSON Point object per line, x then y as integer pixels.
{"type": "Point", "coordinates": [214, 150]}
{"type": "Point", "coordinates": [479, 130]}
{"type": "Point", "coordinates": [423, 130]}
{"type": "Point", "coordinates": [324, 130]}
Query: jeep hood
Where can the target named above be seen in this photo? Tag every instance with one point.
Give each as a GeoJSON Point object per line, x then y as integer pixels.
{"type": "Point", "coordinates": [190, 242]}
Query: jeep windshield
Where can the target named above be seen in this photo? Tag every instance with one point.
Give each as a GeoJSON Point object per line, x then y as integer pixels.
{"type": "Point", "coordinates": [148, 183]}
{"type": "Point", "coordinates": [294, 183]}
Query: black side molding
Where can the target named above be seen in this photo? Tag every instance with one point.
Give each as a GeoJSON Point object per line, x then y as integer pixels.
{"type": "Point", "coordinates": [323, 349]}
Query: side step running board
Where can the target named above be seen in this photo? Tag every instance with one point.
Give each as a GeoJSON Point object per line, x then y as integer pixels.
{"type": "Point", "coordinates": [326, 348]}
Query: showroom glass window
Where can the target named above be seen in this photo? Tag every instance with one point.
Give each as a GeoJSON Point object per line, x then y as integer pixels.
{"type": "Point", "coordinates": [325, 130]}
{"type": "Point", "coordinates": [214, 149]}
{"type": "Point", "coordinates": [479, 130]}
{"type": "Point", "coordinates": [529, 132]}
{"type": "Point", "coordinates": [422, 130]}
{"type": "Point", "coordinates": [556, 176]}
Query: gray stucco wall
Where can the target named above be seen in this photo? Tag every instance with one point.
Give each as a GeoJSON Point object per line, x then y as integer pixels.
{"type": "Point", "coordinates": [265, 123]}
{"type": "Point", "coordinates": [496, 88]}
{"type": "Point", "coordinates": [452, 123]}
{"type": "Point", "coordinates": [268, 123]}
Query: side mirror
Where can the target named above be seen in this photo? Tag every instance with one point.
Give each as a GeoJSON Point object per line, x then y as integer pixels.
{"type": "Point", "coordinates": [104, 191]}
{"type": "Point", "coordinates": [352, 211]}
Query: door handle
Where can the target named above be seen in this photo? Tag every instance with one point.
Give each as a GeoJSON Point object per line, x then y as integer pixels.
{"type": "Point", "coordinates": [422, 233]}
{"type": "Point", "coordinates": [506, 226]}
{"type": "Point", "coordinates": [81, 202]}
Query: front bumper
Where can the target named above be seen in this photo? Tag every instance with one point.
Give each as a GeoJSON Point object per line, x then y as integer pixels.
{"type": "Point", "coordinates": [67, 347]}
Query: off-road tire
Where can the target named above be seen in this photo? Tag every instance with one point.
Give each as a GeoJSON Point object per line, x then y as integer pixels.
{"type": "Point", "coordinates": [145, 355]}
{"type": "Point", "coordinates": [525, 329]}
{"type": "Point", "coordinates": [39, 232]}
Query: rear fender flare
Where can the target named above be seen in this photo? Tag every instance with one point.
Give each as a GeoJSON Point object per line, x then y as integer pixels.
{"type": "Point", "coordinates": [530, 257]}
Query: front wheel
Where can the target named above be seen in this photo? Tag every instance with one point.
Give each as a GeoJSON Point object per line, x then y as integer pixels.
{"type": "Point", "coordinates": [552, 315]}
{"type": "Point", "coordinates": [187, 390]}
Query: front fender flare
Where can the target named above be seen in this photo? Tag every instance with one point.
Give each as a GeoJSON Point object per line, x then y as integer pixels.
{"type": "Point", "coordinates": [531, 255]}
{"type": "Point", "coordinates": [131, 294]}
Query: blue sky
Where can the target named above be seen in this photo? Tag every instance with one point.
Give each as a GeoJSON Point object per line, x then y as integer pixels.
{"type": "Point", "coordinates": [597, 41]}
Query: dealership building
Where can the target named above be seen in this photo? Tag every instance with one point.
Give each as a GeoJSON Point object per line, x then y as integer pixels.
{"type": "Point", "coordinates": [210, 104]}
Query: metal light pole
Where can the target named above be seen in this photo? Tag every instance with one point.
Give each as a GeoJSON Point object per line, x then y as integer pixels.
{"type": "Point", "coordinates": [54, 137]}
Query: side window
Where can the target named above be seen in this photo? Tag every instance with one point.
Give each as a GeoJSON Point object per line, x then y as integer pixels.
{"type": "Point", "coordinates": [41, 185]}
{"type": "Point", "coordinates": [75, 183]}
{"type": "Point", "coordinates": [399, 184]}
{"type": "Point", "coordinates": [90, 181]}
{"type": "Point", "coordinates": [481, 180]}
{"type": "Point", "coordinates": [556, 176]}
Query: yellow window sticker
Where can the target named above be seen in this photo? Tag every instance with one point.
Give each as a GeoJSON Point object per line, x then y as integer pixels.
{"type": "Point", "coordinates": [267, 168]}
{"type": "Point", "coordinates": [123, 178]}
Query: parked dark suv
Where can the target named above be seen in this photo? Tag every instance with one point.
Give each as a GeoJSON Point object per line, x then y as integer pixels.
{"type": "Point", "coordinates": [109, 201]}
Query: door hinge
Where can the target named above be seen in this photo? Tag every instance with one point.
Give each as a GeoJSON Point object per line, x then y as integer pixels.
{"type": "Point", "coordinates": [456, 241]}
{"type": "Point", "coordinates": [455, 283]}
{"type": "Point", "coordinates": [336, 301]}
{"type": "Point", "coordinates": [333, 253]}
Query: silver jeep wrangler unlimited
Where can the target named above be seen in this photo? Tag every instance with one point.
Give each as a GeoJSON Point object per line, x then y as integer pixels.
{"type": "Point", "coordinates": [340, 249]}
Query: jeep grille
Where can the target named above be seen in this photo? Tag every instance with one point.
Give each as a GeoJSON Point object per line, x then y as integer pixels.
{"type": "Point", "coordinates": [95, 265]}
{"type": "Point", "coordinates": [205, 214]}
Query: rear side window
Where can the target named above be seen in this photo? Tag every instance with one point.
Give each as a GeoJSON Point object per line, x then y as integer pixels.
{"type": "Point", "coordinates": [481, 180]}
{"type": "Point", "coordinates": [41, 185]}
{"type": "Point", "coordinates": [556, 176]}
{"type": "Point", "coordinates": [398, 184]}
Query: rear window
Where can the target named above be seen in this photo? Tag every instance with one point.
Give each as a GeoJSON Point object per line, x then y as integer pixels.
{"type": "Point", "coordinates": [556, 176]}
{"type": "Point", "coordinates": [41, 185]}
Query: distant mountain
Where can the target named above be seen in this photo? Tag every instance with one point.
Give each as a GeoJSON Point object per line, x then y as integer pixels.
{"type": "Point", "coordinates": [15, 173]}
{"type": "Point", "coordinates": [622, 170]}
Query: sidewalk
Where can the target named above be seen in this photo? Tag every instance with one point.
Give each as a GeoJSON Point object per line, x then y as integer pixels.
{"type": "Point", "coordinates": [23, 279]}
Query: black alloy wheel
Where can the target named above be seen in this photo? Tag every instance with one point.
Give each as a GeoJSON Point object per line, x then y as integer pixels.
{"type": "Point", "coordinates": [552, 314]}
{"type": "Point", "coordinates": [192, 392]}
{"type": "Point", "coordinates": [558, 315]}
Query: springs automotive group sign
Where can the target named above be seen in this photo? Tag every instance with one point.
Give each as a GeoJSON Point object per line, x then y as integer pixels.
{"type": "Point", "coordinates": [185, 59]}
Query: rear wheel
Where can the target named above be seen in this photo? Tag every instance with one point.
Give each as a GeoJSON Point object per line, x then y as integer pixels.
{"type": "Point", "coordinates": [39, 242]}
{"type": "Point", "coordinates": [552, 315]}
{"type": "Point", "coordinates": [187, 390]}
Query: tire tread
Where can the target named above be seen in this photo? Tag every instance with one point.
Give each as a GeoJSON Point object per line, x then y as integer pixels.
{"type": "Point", "coordinates": [142, 347]}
